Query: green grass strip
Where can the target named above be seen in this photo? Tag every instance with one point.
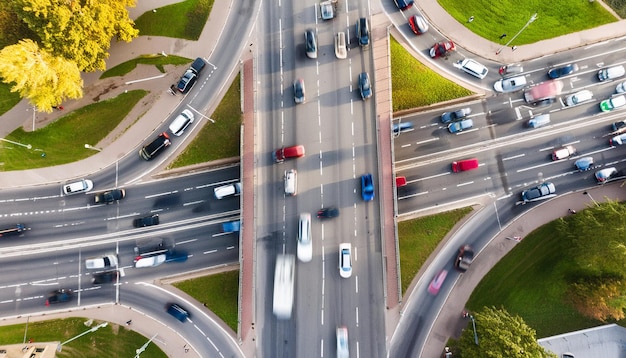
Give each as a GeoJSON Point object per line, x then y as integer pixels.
{"type": "Point", "coordinates": [157, 60]}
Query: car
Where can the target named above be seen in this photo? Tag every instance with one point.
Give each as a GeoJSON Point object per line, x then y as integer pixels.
{"type": "Point", "coordinates": [178, 312]}
{"type": "Point", "coordinates": [305, 241]}
{"type": "Point", "coordinates": [473, 67]}
{"type": "Point", "coordinates": [403, 4]}
{"type": "Point", "coordinates": [510, 84]}
{"type": "Point", "coordinates": [197, 65]}
{"type": "Point", "coordinates": [295, 151]}
{"type": "Point", "coordinates": [418, 24]}
{"type": "Point", "coordinates": [345, 260]}
{"type": "Point", "coordinates": [618, 140]}
{"type": "Point", "coordinates": [539, 121]}
{"type": "Point", "coordinates": [437, 282]}
{"type": "Point", "coordinates": [567, 355]}
{"type": "Point", "coordinates": [401, 181]}
{"type": "Point", "coordinates": [464, 258]}
{"type": "Point", "coordinates": [109, 196]}
{"type": "Point", "coordinates": [365, 87]}
{"type": "Point", "coordinates": [441, 49]}
{"type": "Point", "coordinates": [342, 342]}
{"type": "Point", "coordinates": [510, 69]}
{"type": "Point", "coordinates": [611, 73]}
{"type": "Point", "coordinates": [621, 88]}
{"type": "Point", "coordinates": [291, 182]}
{"type": "Point", "coordinates": [59, 296]}
{"type": "Point", "coordinates": [224, 191]}
{"type": "Point", "coordinates": [563, 153]}
{"type": "Point", "coordinates": [187, 81]}
{"type": "Point", "coordinates": [327, 213]}
{"type": "Point", "coordinates": [146, 221]}
{"type": "Point", "coordinates": [584, 163]}
{"type": "Point", "coordinates": [563, 71]}
{"type": "Point", "coordinates": [310, 43]}
{"type": "Point", "coordinates": [341, 50]}
{"type": "Point", "coordinates": [578, 98]}
{"type": "Point", "coordinates": [604, 175]}
{"type": "Point", "coordinates": [456, 115]}
{"type": "Point", "coordinates": [105, 277]}
{"type": "Point", "coordinates": [149, 260]}
{"type": "Point", "coordinates": [460, 126]}
{"type": "Point", "coordinates": [81, 186]}
{"type": "Point", "coordinates": [176, 256]}
{"type": "Point", "coordinates": [298, 91]}
{"type": "Point", "coordinates": [613, 103]}
{"type": "Point", "coordinates": [231, 226]}
{"type": "Point", "coordinates": [367, 187]}
{"type": "Point", "coordinates": [327, 10]}
{"type": "Point", "coordinates": [181, 122]}
{"type": "Point", "coordinates": [363, 32]}
{"type": "Point", "coordinates": [101, 262]}
{"type": "Point", "coordinates": [464, 165]}
{"type": "Point", "coordinates": [155, 147]}
{"type": "Point", "coordinates": [17, 229]}
{"type": "Point", "coordinates": [540, 192]}
{"type": "Point", "coordinates": [616, 126]}
{"type": "Point", "coordinates": [402, 127]}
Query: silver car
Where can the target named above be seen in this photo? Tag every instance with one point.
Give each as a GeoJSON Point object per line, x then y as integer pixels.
{"type": "Point", "coordinates": [510, 84]}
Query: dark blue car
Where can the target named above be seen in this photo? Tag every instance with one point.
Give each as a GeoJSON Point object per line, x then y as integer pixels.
{"type": "Point", "coordinates": [403, 4]}
{"type": "Point", "coordinates": [563, 71]}
{"type": "Point", "coordinates": [367, 187]}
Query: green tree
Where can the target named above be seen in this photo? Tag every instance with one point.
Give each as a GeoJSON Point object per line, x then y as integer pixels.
{"type": "Point", "coordinates": [78, 30]}
{"type": "Point", "coordinates": [500, 335]}
{"type": "Point", "coordinates": [44, 79]}
{"type": "Point", "coordinates": [600, 298]}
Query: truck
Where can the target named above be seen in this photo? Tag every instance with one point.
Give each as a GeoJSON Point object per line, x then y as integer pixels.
{"type": "Point", "coordinates": [543, 92]}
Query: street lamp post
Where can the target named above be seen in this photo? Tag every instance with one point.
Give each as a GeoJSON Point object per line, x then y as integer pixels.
{"type": "Point", "coordinates": [474, 326]}
{"type": "Point", "coordinates": [104, 324]}
{"type": "Point", "coordinates": [530, 21]}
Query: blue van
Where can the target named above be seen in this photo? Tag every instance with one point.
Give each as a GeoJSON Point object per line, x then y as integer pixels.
{"type": "Point", "coordinates": [178, 312]}
{"type": "Point", "coordinates": [539, 121]}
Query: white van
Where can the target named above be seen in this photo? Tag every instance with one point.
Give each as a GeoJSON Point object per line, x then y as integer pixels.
{"type": "Point", "coordinates": [181, 122]}
{"type": "Point", "coordinates": [611, 73]}
{"type": "Point", "coordinates": [81, 186]}
{"type": "Point", "coordinates": [291, 182]}
{"type": "Point", "coordinates": [539, 121]}
{"type": "Point", "coordinates": [473, 68]}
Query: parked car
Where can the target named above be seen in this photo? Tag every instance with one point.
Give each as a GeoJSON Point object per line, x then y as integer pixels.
{"type": "Point", "coordinates": [59, 296]}
{"type": "Point", "coordinates": [510, 84]}
{"type": "Point", "coordinates": [621, 88]}
{"type": "Point", "coordinates": [460, 126]}
{"type": "Point", "coordinates": [146, 221]}
{"type": "Point", "coordinates": [101, 262]}
{"type": "Point", "coordinates": [327, 10]}
{"type": "Point", "coordinates": [363, 32]}
{"type": "Point", "coordinates": [540, 192]}
{"type": "Point", "coordinates": [365, 87]}
{"type": "Point", "coordinates": [618, 140]}
{"type": "Point", "coordinates": [178, 312]}
{"type": "Point", "coordinates": [437, 282]}
{"type": "Point", "coordinates": [563, 71]}
{"type": "Point", "coordinates": [402, 127]}
{"type": "Point", "coordinates": [464, 165]}
{"type": "Point", "coordinates": [295, 151]}
{"type": "Point", "coordinates": [613, 103]}
{"type": "Point", "coordinates": [224, 191]}
{"type": "Point", "coordinates": [456, 115]}
{"type": "Point", "coordinates": [403, 4]}
{"type": "Point", "coordinates": [187, 81]}
{"type": "Point", "coordinates": [81, 186]}
{"type": "Point", "coordinates": [341, 50]}
{"type": "Point", "coordinates": [345, 260]}
{"type": "Point", "coordinates": [464, 258]}
{"type": "Point", "coordinates": [181, 122]}
{"type": "Point", "coordinates": [604, 175]}
{"type": "Point", "coordinates": [326, 213]}
{"type": "Point", "coordinates": [441, 49]}
{"type": "Point", "coordinates": [611, 73]}
{"type": "Point", "coordinates": [367, 187]}
{"type": "Point", "coordinates": [511, 69]}
{"type": "Point", "coordinates": [155, 147]}
{"type": "Point", "coordinates": [473, 68]}
{"type": "Point", "coordinates": [109, 196]}
{"type": "Point", "coordinates": [418, 24]}
{"type": "Point", "coordinates": [578, 98]}
{"type": "Point", "coordinates": [310, 43]}
{"type": "Point", "coordinates": [584, 163]}
{"type": "Point", "coordinates": [563, 153]}
{"type": "Point", "coordinates": [298, 91]}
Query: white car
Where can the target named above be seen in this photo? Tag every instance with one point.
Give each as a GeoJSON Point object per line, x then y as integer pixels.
{"type": "Point", "coordinates": [227, 190]}
{"type": "Point", "coordinates": [473, 68]}
{"type": "Point", "coordinates": [340, 45]}
{"type": "Point", "coordinates": [103, 262]}
{"type": "Point", "coordinates": [345, 260]}
{"type": "Point", "coordinates": [181, 122]}
{"type": "Point", "coordinates": [510, 84]}
{"type": "Point", "coordinates": [326, 8]}
{"type": "Point", "coordinates": [149, 261]}
{"type": "Point", "coordinates": [81, 186]}
{"type": "Point", "coordinates": [305, 242]}
{"type": "Point", "coordinates": [621, 88]}
{"type": "Point", "coordinates": [578, 98]}
{"type": "Point", "coordinates": [342, 342]}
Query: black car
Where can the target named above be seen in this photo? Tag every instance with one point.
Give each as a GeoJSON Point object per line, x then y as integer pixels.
{"type": "Point", "coordinates": [363, 32]}
{"type": "Point", "coordinates": [187, 81]}
{"type": "Point", "coordinates": [330, 212]}
{"type": "Point", "coordinates": [403, 4]}
{"type": "Point", "coordinates": [563, 71]}
{"type": "Point", "coordinates": [310, 43]}
{"type": "Point", "coordinates": [59, 296]}
{"type": "Point", "coordinates": [109, 196]}
{"type": "Point", "coordinates": [105, 277]}
{"type": "Point", "coordinates": [155, 147]}
{"type": "Point", "coordinates": [464, 259]}
{"type": "Point", "coordinates": [147, 221]}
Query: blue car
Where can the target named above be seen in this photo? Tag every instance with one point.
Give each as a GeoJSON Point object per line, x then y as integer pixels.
{"type": "Point", "coordinates": [460, 126]}
{"type": "Point", "coordinates": [563, 71]}
{"type": "Point", "coordinates": [231, 226]}
{"type": "Point", "coordinates": [367, 187]}
{"type": "Point", "coordinates": [402, 127]}
{"type": "Point", "coordinates": [403, 4]}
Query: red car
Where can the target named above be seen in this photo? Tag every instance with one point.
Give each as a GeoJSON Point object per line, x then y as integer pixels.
{"type": "Point", "coordinates": [437, 282]}
{"type": "Point", "coordinates": [295, 151]}
{"type": "Point", "coordinates": [465, 164]}
{"type": "Point", "coordinates": [418, 24]}
{"type": "Point", "coordinates": [441, 49]}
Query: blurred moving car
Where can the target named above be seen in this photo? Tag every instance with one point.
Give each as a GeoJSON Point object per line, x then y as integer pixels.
{"type": "Point", "coordinates": [578, 98]}
{"type": "Point", "coordinates": [540, 192]}
{"type": "Point", "coordinates": [298, 91]}
{"type": "Point", "coordinates": [464, 165]}
{"type": "Point", "coordinates": [441, 49]}
{"type": "Point", "coordinates": [367, 187]}
{"type": "Point", "coordinates": [562, 71]}
{"type": "Point", "coordinates": [341, 50]}
{"type": "Point", "coordinates": [460, 126]}
{"type": "Point", "coordinates": [402, 127]}
{"type": "Point", "coordinates": [464, 258]}
{"type": "Point", "coordinates": [345, 260]}
{"type": "Point", "coordinates": [613, 103]}
{"type": "Point", "coordinates": [59, 296]}
{"type": "Point", "coordinates": [342, 342]}
{"type": "Point", "coordinates": [437, 282]}
{"type": "Point", "coordinates": [365, 87]}
{"type": "Point", "coordinates": [511, 84]}
{"type": "Point", "coordinates": [310, 43]}
{"type": "Point", "coordinates": [146, 221]}
{"type": "Point", "coordinates": [621, 88]}
{"type": "Point", "coordinates": [109, 196]}
{"type": "Point", "coordinates": [363, 32]}
{"type": "Point", "coordinates": [403, 4]}
{"type": "Point", "coordinates": [105, 277]}
{"type": "Point", "coordinates": [456, 115]}
{"type": "Point", "coordinates": [17, 229]}
{"type": "Point", "coordinates": [584, 164]}
{"type": "Point", "coordinates": [304, 248]}
{"type": "Point", "coordinates": [418, 24]}
{"type": "Point", "coordinates": [101, 262]}
{"type": "Point", "coordinates": [150, 260]}
{"type": "Point", "coordinates": [618, 140]}
{"type": "Point", "coordinates": [510, 69]}
{"type": "Point", "coordinates": [329, 212]}
{"type": "Point", "coordinates": [563, 153]}
{"type": "Point", "coordinates": [178, 312]}
{"type": "Point", "coordinates": [606, 174]}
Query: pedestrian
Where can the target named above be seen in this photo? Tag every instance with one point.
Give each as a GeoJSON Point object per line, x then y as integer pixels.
{"type": "Point", "coordinates": [471, 18]}
{"type": "Point", "coordinates": [129, 322]}
{"type": "Point", "coordinates": [571, 211]}
{"type": "Point", "coordinates": [513, 48]}
{"type": "Point", "coordinates": [502, 36]}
